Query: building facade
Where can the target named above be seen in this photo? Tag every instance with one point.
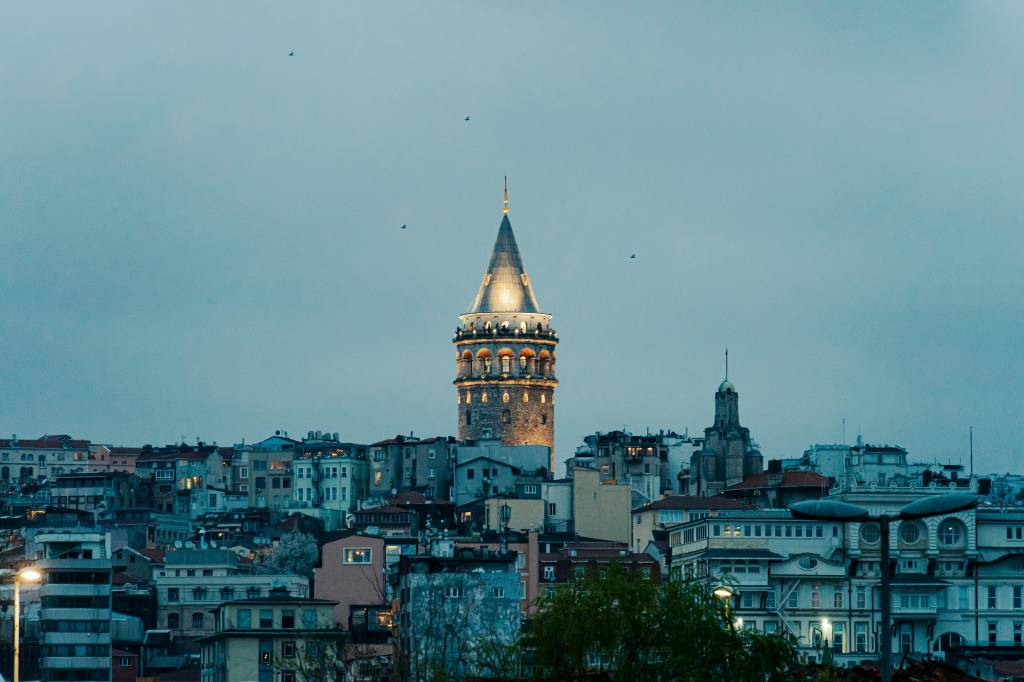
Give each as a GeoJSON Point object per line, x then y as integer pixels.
{"type": "Point", "coordinates": [505, 355]}
{"type": "Point", "coordinates": [728, 454]}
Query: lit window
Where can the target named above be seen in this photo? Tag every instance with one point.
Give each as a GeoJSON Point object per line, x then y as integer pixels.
{"type": "Point", "coordinates": [504, 397]}
{"type": "Point", "coordinates": [526, 397]}
{"type": "Point", "coordinates": [362, 555]}
{"type": "Point", "coordinates": [543, 398]}
{"type": "Point", "coordinates": [469, 397]}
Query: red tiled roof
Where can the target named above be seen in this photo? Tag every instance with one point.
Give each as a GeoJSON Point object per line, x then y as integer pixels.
{"type": "Point", "coordinates": [154, 554]}
{"type": "Point", "coordinates": [384, 509]}
{"type": "Point", "coordinates": [408, 497]}
{"type": "Point", "coordinates": [691, 502]}
{"type": "Point", "coordinates": [46, 443]}
{"type": "Point", "coordinates": [790, 479]}
{"type": "Point", "coordinates": [122, 578]}
{"type": "Point", "coordinates": [125, 451]}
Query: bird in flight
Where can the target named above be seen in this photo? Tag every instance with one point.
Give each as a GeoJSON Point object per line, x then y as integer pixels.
{"type": "Point", "coordinates": [633, 256]}
{"type": "Point", "coordinates": [291, 54]}
{"type": "Point", "coordinates": [404, 226]}
{"type": "Point", "coordinates": [467, 118]}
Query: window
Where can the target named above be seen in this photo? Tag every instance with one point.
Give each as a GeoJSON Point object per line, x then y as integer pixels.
{"type": "Point", "coordinates": [309, 619]}
{"type": "Point", "coordinates": [470, 474]}
{"type": "Point", "coordinates": [266, 619]}
{"type": "Point", "coordinates": [793, 600]}
{"type": "Point", "coordinates": [1018, 633]}
{"type": "Point", "coordinates": [288, 619]}
{"type": "Point", "coordinates": [287, 649]}
{"type": "Point", "coordinates": [837, 598]}
{"type": "Point", "coordinates": [173, 621]}
{"type": "Point", "coordinates": [949, 533]}
{"type": "Point", "coordinates": [498, 592]}
{"type": "Point", "coordinates": [124, 661]}
{"type": "Point", "coordinates": [506, 417]}
{"type": "Point", "coordinates": [252, 593]}
{"type": "Point", "coordinates": [360, 555]}
{"type": "Point", "coordinates": [862, 597]}
{"type": "Point", "coordinates": [549, 573]}
{"type": "Point", "coordinates": [860, 637]}
{"type": "Point", "coordinates": [197, 621]}
{"type": "Point", "coordinates": [909, 533]}
{"type": "Point", "coordinates": [287, 676]}
{"type": "Point", "coordinates": [199, 594]}
{"type": "Point", "coordinates": [172, 594]}
{"type": "Point", "coordinates": [816, 597]}
{"type": "Point", "coordinates": [991, 601]}
{"type": "Point", "coordinates": [837, 637]}
{"type": "Point", "coordinates": [553, 509]}
{"type": "Point", "coordinates": [992, 631]}
{"type": "Point", "coordinates": [1017, 594]}
{"type": "Point", "coordinates": [243, 618]}
{"type": "Point", "coordinates": [529, 490]}
{"type": "Point", "coordinates": [965, 596]}
{"type": "Point", "coordinates": [870, 533]}
{"type": "Point", "coordinates": [227, 593]}
{"type": "Point", "coordinates": [453, 591]}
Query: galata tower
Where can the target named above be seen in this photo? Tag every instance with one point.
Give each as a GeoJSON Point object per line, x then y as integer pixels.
{"type": "Point", "coordinates": [505, 355]}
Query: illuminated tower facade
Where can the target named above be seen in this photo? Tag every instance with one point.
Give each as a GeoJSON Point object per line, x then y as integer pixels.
{"type": "Point", "coordinates": [505, 355]}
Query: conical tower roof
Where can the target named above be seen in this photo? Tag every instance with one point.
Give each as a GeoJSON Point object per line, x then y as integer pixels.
{"type": "Point", "coordinates": [506, 286]}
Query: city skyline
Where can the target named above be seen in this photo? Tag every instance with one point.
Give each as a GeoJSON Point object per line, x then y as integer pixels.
{"type": "Point", "coordinates": [207, 243]}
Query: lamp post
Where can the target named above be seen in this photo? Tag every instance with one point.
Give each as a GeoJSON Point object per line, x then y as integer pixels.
{"type": "Point", "coordinates": [26, 575]}
{"type": "Point", "coordinates": [833, 510]}
{"type": "Point", "coordinates": [725, 594]}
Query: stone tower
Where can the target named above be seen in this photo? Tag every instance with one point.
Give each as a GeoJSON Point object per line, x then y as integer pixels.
{"type": "Point", "coordinates": [505, 355]}
{"type": "Point", "coordinates": [729, 454]}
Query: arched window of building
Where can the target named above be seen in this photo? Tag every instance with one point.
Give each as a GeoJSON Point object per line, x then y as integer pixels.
{"type": "Point", "coordinates": [483, 397]}
{"type": "Point", "coordinates": [544, 359]}
{"type": "Point", "coordinates": [504, 397]}
{"type": "Point", "coordinates": [506, 417]}
{"type": "Point", "coordinates": [526, 397]}
{"type": "Point", "coordinates": [469, 397]}
{"type": "Point", "coordinates": [543, 417]}
{"type": "Point", "coordinates": [505, 357]}
{"type": "Point", "coordinates": [469, 418]}
{"type": "Point", "coordinates": [526, 361]}
{"type": "Point", "coordinates": [483, 359]}
{"type": "Point", "coordinates": [952, 533]}
{"type": "Point", "coordinates": [5, 473]}
{"type": "Point", "coordinates": [543, 398]}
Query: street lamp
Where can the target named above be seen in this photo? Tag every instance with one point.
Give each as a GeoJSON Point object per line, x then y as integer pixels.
{"type": "Point", "coordinates": [833, 510]}
{"type": "Point", "coordinates": [25, 575]}
{"type": "Point", "coordinates": [724, 593]}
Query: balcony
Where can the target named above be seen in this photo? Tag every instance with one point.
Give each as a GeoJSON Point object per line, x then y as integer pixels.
{"type": "Point", "coordinates": [74, 662]}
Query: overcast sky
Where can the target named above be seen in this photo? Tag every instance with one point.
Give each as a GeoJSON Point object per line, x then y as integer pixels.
{"type": "Point", "coordinates": [200, 234]}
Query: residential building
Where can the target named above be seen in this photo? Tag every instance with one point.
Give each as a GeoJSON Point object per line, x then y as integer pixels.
{"type": "Point", "coordinates": [573, 560]}
{"type": "Point", "coordinates": [505, 356]}
{"type": "Point", "coordinates": [330, 478]}
{"type": "Point", "coordinates": [671, 511]}
{"type": "Point", "coordinates": [183, 476]}
{"type": "Point", "coordinates": [49, 455]}
{"type": "Point", "coordinates": [451, 604]}
{"type": "Point", "coordinates": [653, 464]}
{"type": "Point", "coordinates": [75, 601]}
{"type": "Point", "coordinates": [193, 581]}
{"type": "Point", "coordinates": [275, 638]}
{"type": "Point", "coordinates": [98, 492]}
{"type": "Point", "coordinates": [600, 510]}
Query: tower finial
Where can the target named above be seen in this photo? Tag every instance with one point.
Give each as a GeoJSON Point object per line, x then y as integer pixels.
{"type": "Point", "coordinates": [505, 207]}
{"type": "Point", "coordinates": [727, 363]}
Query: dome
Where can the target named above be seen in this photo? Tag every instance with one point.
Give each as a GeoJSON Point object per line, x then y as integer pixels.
{"type": "Point", "coordinates": [726, 387]}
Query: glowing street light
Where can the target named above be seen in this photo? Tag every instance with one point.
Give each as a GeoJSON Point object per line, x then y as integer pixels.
{"type": "Point", "coordinates": [25, 575]}
{"type": "Point", "coordinates": [833, 510]}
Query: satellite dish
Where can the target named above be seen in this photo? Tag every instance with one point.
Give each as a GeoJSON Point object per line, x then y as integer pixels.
{"type": "Point", "coordinates": [177, 544]}
{"type": "Point", "coordinates": [202, 531]}
{"type": "Point", "coordinates": [189, 544]}
{"type": "Point", "coordinates": [394, 491]}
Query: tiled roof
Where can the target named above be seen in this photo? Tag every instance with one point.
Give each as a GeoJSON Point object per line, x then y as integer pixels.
{"type": "Point", "coordinates": [790, 479]}
{"type": "Point", "coordinates": [691, 502]}
{"type": "Point", "coordinates": [45, 443]}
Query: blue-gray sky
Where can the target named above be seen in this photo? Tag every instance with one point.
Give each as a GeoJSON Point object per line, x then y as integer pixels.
{"type": "Point", "coordinates": [200, 234]}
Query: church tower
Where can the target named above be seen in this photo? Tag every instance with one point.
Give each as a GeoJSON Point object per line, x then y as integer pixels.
{"type": "Point", "coordinates": [505, 355]}
{"type": "Point", "coordinates": [729, 454]}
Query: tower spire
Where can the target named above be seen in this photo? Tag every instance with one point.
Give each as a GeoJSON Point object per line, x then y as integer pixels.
{"type": "Point", "coordinates": [727, 363]}
{"type": "Point", "coordinates": [504, 208]}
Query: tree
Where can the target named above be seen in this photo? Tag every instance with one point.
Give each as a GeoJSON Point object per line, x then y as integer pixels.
{"type": "Point", "coordinates": [296, 552]}
{"type": "Point", "coordinates": [637, 629]}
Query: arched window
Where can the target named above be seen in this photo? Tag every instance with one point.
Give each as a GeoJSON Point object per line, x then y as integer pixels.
{"type": "Point", "coordinates": [910, 532]}
{"type": "Point", "coordinates": [504, 397]}
{"type": "Point", "coordinates": [505, 357]}
{"type": "Point", "coordinates": [5, 473]}
{"type": "Point", "coordinates": [543, 417]}
{"type": "Point", "coordinates": [469, 397]}
{"type": "Point", "coordinates": [483, 359]}
{"type": "Point", "coordinates": [506, 417]}
{"type": "Point", "coordinates": [469, 418]}
{"type": "Point", "coordinates": [197, 621]}
{"type": "Point", "coordinates": [526, 397]}
{"type": "Point", "coordinates": [483, 397]}
{"type": "Point", "coordinates": [543, 398]}
{"type": "Point", "coordinates": [173, 621]}
{"type": "Point", "coordinates": [951, 533]}
{"type": "Point", "coordinates": [870, 533]}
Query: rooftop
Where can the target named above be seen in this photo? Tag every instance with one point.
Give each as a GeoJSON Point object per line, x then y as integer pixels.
{"type": "Point", "coordinates": [506, 286]}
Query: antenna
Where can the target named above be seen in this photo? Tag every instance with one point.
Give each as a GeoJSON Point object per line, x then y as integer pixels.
{"type": "Point", "coordinates": [727, 363]}
{"type": "Point", "coordinates": [971, 436]}
{"type": "Point", "coordinates": [504, 208]}
{"type": "Point", "coordinates": [844, 430]}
